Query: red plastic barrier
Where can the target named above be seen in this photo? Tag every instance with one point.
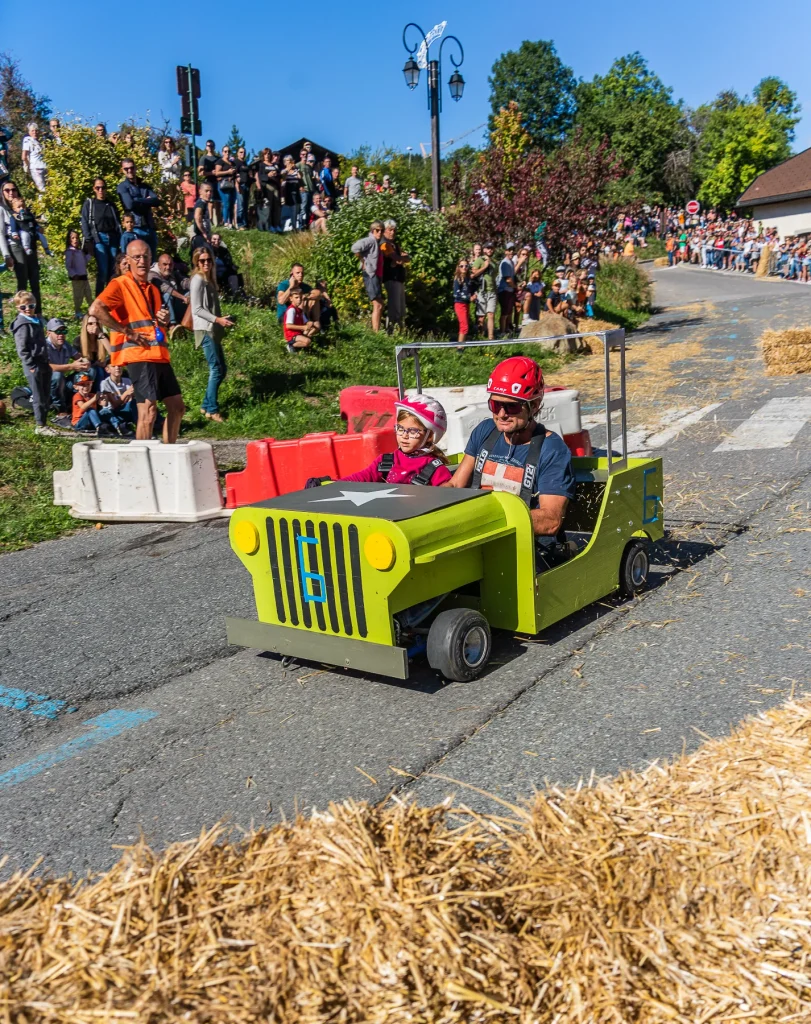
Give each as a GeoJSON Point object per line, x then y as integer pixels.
{"type": "Point", "coordinates": [367, 408]}
{"type": "Point", "coordinates": [276, 467]}
{"type": "Point", "coordinates": [579, 444]}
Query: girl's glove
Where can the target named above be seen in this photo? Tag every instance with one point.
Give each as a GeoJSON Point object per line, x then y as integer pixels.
{"type": "Point", "coordinates": [316, 481]}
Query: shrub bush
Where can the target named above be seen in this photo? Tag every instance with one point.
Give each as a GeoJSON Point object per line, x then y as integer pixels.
{"type": "Point", "coordinates": [72, 166]}
{"type": "Point", "coordinates": [425, 236]}
{"type": "Point", "coordinates": [624, 285]}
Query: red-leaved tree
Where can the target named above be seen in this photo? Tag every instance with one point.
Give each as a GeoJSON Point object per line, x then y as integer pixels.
{"type": "Point", "coordinates": [565, 189]}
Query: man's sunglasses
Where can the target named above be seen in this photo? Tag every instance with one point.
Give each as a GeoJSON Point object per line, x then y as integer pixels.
{"type": "Point", "coordinates": [508, 408]}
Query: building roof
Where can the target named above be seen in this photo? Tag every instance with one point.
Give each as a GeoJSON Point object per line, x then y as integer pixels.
{"type": "Point", "coordinates": [294, 148]}
{"type": "Point", "coordinates": [789, 180]}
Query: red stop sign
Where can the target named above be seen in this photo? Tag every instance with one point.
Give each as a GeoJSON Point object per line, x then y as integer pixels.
{"type": "Point", "coordinates": [693, 206]}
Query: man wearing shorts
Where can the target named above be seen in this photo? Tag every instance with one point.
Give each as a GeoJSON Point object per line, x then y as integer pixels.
{"type": "Point", "coordinates": [483, 274]}
{"type": "Point", "coordinates": [131, 308]}
{"type": "Point", "coordinates": [371, 258]}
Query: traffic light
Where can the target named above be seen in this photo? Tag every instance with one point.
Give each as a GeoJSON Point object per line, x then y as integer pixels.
{"type": "Point", "coordinates": [188, 88]}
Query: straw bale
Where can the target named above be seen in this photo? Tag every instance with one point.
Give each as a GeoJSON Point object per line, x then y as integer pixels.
{"type": "Point", "coordinates": [788, 351]}
{"type": "Point", "coordinates": [764, 261]}
{"type": "Point", "coordinates": [550, 326]}
{"type": "Point", "coordinates": [594, 341]}
{"type": "Point", "coordinates": [677, 894]}
{"type": "Point", "coordinates": [661, 261]}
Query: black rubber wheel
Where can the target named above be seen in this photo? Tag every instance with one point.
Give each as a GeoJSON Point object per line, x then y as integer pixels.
{"type": "Point", "coordinates": [634, 568]}
{"type": "Point", "coordinates": [459, 644]}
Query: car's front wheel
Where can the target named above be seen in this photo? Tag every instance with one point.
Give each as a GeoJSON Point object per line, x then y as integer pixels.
{"type": "Point", "coordinates": [459, 644]}
{"type": "Point", "coordinates": [634, 568]}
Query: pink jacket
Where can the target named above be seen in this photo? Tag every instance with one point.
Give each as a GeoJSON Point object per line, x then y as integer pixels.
{"type": "Point", "coordinates": [404, 470]}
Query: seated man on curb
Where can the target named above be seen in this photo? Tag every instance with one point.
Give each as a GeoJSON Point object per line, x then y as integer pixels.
{"type": "Point", "coordinates": [310, 297]}
{"type": "Point", "coordinates": [64, 360]}
{"type": "Point", "coordinates": [513, 453]}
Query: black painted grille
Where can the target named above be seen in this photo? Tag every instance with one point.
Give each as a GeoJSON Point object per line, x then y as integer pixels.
{"type": "Point", "coordinates": [335, 558]}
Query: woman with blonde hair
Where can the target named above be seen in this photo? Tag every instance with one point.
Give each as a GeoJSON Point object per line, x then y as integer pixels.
{"type": "Point", "coordinates": [95, 346]}
{"type": "Point", "coordinates": [209, 326]}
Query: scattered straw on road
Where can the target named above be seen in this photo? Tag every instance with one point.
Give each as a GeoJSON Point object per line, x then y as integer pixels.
{"type": "Point", "coordinates": [787, 352]}
{"type": "Point", "coordinates": [678, 894]}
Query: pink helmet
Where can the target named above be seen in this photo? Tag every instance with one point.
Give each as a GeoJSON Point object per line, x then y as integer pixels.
{"type": "Point", "coordinates": [428, 411]}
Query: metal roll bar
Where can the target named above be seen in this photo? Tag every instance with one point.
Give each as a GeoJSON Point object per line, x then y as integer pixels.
{"type": "Point", "coordinates": [612, 340]}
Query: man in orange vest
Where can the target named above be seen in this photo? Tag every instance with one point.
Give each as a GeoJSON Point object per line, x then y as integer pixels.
{"type": "Point", "coordinates": [131, 308]}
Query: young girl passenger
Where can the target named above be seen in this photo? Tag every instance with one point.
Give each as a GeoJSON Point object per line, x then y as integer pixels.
{"type": "Point", "coordinates": [421, 423]}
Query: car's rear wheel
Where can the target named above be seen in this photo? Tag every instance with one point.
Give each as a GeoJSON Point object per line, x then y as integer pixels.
{"type": "Point", "coordinates": [459, 644]}
{"type": "Point", "coordinates": [634, 568]}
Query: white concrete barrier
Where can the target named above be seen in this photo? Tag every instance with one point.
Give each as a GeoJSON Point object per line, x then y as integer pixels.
{"type": "Point", "coordinates": [141, 481]}
{"type": "Point", "coordinates": [467, 407]}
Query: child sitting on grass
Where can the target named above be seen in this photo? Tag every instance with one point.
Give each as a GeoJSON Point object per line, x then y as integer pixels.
{"type": "Point", "coordinates": [421, 423]}
{"type": "Point", "coordinates": [298, 330]}
{"type": "Point", "coordinates": [85, 408]}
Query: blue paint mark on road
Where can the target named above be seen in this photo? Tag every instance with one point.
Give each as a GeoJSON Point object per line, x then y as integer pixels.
{"type": "Point", "coordinates": [733, 335]}
{"type": "Point", "coordinates": [730, 359]}
{"type": "Point", "coordinates": [104, 727]}
{"type": "Point", "coordinates": [38, 704]}
{"type": "Point", "coordinates": [734, 309]}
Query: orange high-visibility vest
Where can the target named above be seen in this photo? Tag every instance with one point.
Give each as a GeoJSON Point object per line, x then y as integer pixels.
{"type": "Point", "coordinates": [137, 308]}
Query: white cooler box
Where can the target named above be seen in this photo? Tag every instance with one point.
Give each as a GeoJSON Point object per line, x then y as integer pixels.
{"type": "Point", "coordinates": [141, 481]}
{"type": "Point", "coordinates": [467, 407]}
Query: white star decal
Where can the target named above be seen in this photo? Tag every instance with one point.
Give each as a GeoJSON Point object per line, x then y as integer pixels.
{"type": "Point", "coordinates": [362, 497]}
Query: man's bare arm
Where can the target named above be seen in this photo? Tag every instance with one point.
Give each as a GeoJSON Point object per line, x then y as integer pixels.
{"type": "Point", "coordinates": [547, 519]}
{"type": "Point", "coordinates": [104, 317]}
{"type": "Point", "coordinates": [463, 474]}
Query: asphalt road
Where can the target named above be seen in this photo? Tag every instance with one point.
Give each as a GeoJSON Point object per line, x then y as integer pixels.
{"type": "Point", "coordinates": [127, 623]}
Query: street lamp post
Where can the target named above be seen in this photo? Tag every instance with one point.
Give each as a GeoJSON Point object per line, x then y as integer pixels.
{"type": "Point", "coordinates": [456, 85]}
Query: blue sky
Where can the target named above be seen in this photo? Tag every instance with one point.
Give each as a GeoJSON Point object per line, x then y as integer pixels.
{"type": "Point", "coordinates": [334, 73]}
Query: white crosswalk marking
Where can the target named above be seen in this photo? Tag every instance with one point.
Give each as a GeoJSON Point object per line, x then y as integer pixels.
{"type": "Point", "coordinates": [642, 440]}
{"type": "Point", "coordinates": [774, 425]}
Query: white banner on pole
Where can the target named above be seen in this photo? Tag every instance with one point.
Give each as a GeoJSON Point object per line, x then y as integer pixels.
{"type": "Point", "coordinates": [422, 52]}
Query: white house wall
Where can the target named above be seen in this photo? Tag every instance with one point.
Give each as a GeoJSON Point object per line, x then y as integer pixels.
{"type": "Point", "coordinates": [790, 218]}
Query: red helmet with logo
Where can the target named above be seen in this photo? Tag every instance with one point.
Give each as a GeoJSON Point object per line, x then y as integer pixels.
{"type": "Point", "coordinates": [517, 377]}
{"type": "Point", "coordinates": [428, 411]}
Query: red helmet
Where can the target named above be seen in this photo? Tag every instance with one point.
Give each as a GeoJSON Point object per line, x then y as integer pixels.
{"type": "Point", "coordinates": [517, 377]}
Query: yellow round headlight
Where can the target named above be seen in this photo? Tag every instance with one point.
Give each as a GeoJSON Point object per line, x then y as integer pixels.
{"type": "Point", "coordinates": [246, 537]}
{"type": "Point", "coordinates": [379, 551]}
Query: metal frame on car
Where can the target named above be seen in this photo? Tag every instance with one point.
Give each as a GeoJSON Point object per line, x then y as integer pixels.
{"type": "Point", "coordinates": [613, 341]}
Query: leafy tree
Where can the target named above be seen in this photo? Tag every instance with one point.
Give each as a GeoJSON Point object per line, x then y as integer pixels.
{"type": "Point", "coordinates": [737, 145]}
{"type": "Point", "coordinates": [534, 77]}
{"type": "Point", "coordinates": [80, 158]}
{"type": "Point", "coordinates": [633, 109]}
{"type": "Point", "coordinates": [565, 191]}
{"type": "Point", "coordinates": [235, 140]}
{"type": "Point", "coordinates": [433, 247]}
{"type": "Point", "coordinates": [19, 106]}
{"type": "Point", "coordinates": [777, 99]}
{"type": "Point", "coordinates": [509, 136]}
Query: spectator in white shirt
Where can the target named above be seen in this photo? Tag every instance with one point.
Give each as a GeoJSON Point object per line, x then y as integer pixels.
{"type": "Point", "coordinates": [33, 162]}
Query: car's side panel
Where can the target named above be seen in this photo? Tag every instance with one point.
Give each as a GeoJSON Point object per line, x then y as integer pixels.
{"type": "Point", "coordinates": [631, 506]}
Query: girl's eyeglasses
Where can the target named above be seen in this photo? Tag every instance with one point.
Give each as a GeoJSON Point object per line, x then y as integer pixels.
{"type": "Point", "coordinates": [25, 305]}
{"type": "Point", "coordinates": [409, 431]}
{"type": "Point", "coordinates": [509, 408]}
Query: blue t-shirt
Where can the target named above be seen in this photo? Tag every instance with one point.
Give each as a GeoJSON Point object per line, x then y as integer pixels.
{"type": "Point", "coordinates": [503, 469]}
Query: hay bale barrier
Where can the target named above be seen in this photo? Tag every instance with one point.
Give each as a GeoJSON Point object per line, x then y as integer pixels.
{"type": "Point", "coordinates": [550, 326]}
{"type": "Point", "coordinates": [594, 342]}
{"type": "Point", "coordinates": [661, 261]}
{"type": "Point", "coordinates": [680, 893]}
{"type": "Point", "coordinates": [787, 352]}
